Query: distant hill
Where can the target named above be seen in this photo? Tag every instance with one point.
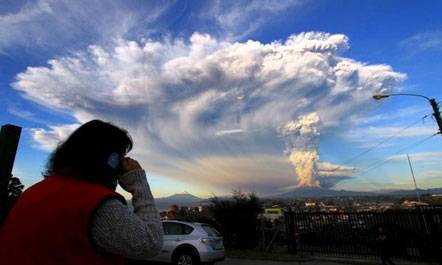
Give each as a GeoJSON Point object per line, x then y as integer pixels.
{"type": "Point", "coordinates": [180, 199]}
{"type": "Point", "coordinates": [189, 200]}
{"type": "Point", "coordinates": [411, 192]}
{"type": "Point", "coordinates": [314, 192]}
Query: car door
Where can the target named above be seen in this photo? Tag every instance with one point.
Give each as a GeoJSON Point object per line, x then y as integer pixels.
{"type": "Point", "coordinates": [174, 235]}
{"type": "Point", "coordinates": [169, 242]}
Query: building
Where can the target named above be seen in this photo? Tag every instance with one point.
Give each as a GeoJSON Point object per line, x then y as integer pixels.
{"type": "Point", "coordinates": [273, 213]}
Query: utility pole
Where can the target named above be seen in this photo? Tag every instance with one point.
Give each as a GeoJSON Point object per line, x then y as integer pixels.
{"type": "Point", "coordinates": [436, 114]}
{"type": "Point", "coordinates": [434, 105]}
{"type": "Point", "coordinates": [9, 138]}
{"type": "Point", "coordinates": [414, 179]}
{"type": "Point", "coordinates": [418, 196]}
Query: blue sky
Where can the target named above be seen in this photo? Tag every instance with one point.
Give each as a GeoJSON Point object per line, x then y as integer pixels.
{"type": "Point", "coordinates": [259, 95]}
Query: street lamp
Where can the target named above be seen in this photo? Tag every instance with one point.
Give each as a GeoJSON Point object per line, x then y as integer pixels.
{"type": "Point", "coordinates": [436, 112]}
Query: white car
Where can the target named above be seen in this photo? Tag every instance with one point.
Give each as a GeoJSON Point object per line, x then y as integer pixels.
{"type": "Point", "coordinates": [187, 243]}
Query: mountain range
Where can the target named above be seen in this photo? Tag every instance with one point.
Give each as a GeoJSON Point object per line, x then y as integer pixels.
{"type": "Point", "coordinates": [189, 200]}
{"type": "Point", "coordinates": [180, 199]}
{"type": "Point", "coordinates": [314, 192]}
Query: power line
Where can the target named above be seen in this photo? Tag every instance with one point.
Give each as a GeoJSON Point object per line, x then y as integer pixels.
{"type": "Point", "coordinates": [348, 161]}
{"type": "Point", "coordinates": [381, 163]}
{"type": "Point", "coordinates": [378, 164]}
{"type": "Point", "coordinates": [387, 139]}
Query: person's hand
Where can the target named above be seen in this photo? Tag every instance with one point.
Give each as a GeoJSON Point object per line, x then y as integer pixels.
{"type": "Point", "coordinates": [129, 181]}
{"type": "Point", "coordinates": [129, 164]}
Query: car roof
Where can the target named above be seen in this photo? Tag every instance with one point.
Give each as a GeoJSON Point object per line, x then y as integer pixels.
{"type": "Point", "coordinates": [182, 222]}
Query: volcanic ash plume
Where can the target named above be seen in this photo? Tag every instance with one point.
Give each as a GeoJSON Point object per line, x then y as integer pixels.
{"type": "Point", "coordinates": [302, 139]}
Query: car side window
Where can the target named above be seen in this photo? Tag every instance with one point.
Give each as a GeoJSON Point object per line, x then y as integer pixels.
{"type": "Point", "coordinates": [187, 229]}
{"type": "Point", "coordinates": [171, 228]}
{"type": "Point", "coordinates": [210, 230]}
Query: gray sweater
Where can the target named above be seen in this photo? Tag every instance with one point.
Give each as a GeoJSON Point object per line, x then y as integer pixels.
{"type": "Point", "coordinates": [135, 234]}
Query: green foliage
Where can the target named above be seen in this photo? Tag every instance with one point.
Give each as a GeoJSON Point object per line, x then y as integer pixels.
{"type": "Point", "coordinates": [15, 188]}
{"type": "Point", "coordinates": [193, 215]}
{"type": "Point", "coordinates": [237, 219]}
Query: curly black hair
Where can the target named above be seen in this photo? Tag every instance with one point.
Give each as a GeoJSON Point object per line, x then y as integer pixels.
{"type": "Point", "coordinates": [85, 153]}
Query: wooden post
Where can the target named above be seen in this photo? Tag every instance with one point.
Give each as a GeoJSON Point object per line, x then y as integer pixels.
{"type": "Point", "coordinates": [9, 138]}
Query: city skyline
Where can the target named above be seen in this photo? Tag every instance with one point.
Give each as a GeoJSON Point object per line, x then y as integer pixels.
{"type": "Point", "coordinates": [219, 95]}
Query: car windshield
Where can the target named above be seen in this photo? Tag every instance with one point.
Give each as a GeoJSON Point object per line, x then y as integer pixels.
{"type": "Point", "coordinates": [210, 230]}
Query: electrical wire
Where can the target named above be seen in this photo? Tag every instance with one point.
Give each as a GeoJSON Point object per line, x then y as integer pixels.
{"type": "Point", "coordinates": [411, 146]}
{"type": "Point", "coordinates": [387, 139]}
{"type": "Point", "coordinates": [384, 161]}
{"type": "Point", "coordinates": [348, 161]}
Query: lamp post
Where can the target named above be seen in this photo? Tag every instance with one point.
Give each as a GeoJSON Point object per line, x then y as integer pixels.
{"type": "Point", "coordinates": [433, 103]}
{"type": "Point", "coordinates": [437, 116]}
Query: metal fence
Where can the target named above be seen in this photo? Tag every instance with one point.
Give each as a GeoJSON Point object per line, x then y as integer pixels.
{"type": "Point", "coordinates": [411, 234]}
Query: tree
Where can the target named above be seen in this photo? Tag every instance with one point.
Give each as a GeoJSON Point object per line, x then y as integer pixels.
{"type": "Point", "coordinates": [15, 188]}
{"type": "Point", "coordinates": [237, 218]}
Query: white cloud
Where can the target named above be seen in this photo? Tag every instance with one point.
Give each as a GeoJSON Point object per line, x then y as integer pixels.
{"type": "Point", "coordinates": [48, 139]}
{"type": "Point", "coordinates": [11, 25]}
{"type": "Point", "coordinates": [419, 157]}
{"type": "Point", "coordinates": [20, 111]}
{"type": "Point", "coordinates": [227, 132]}
{"type": "Point", "coordinates": [60, 26]}
{"type": "Point", "coordinates": [330, 174]}
{"type": "Point", "coordinates": [393, 117]}
{"type": "Point", "coordinates": [238, 19]}
{"type": "Point", "coordinates": [424, 41]}
{"type": "Point", "coordinates": [431, 175]}
{"type": "Point", "coordinates": [386, 129]}
{"type": "Point", "coordinates": [329, 169]}
{"type": "Point", "coordinates": [371, 136]}
{"type": "Point", "coordinates": [177, 96]}
{"type": "Point", "coordinates": [67, 25]}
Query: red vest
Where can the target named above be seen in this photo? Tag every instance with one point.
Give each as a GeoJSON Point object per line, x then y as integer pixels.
{"type": "Point", "coordinates": [50, 224]}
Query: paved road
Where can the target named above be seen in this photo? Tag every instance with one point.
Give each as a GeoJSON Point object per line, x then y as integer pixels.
{"type": "Point", "coordinates": [337, 261]}
{"type": "Point", "coordinates": [231, 261]}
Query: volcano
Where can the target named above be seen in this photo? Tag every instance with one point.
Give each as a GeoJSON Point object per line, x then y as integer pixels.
{"type": "Point", "coordinates": [180, 199]}
{"type": "Point", "coordinates": [317, 192]}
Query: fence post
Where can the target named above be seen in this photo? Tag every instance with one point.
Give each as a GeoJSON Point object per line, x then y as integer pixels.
{"type": "Point", "coordinates": [9, 138]}
{"type": "Point", "coordinates": [290, 232]}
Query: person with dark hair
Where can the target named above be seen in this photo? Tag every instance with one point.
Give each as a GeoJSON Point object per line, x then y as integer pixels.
{"type": "Point", "coordinates": [74, 215]}
{"type": "Point", "coordinates": [384, 247]}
